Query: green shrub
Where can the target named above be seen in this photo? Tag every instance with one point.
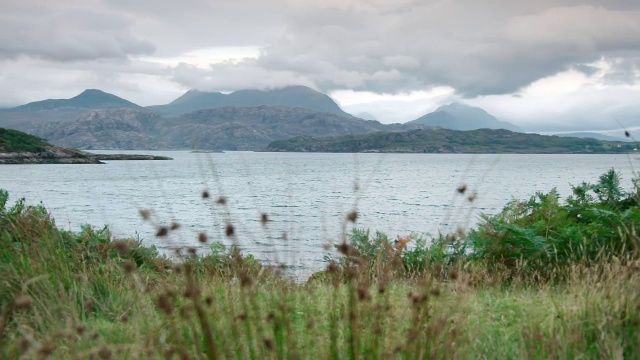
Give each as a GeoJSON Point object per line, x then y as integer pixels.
{"type": "Point", "coordinates": [596, 222]}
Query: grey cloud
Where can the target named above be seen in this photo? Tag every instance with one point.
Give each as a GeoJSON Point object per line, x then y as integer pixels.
{"type": "Point", "coordinates": [385, 46]}
{"type": "Point", "coordinates": [181, 26]}
{"type": "Point", "coordinates": [489, 47]}
{"type": "Point", "coordinates": [623, 71]}
{"type": "Point", "coordinates": [68, 32]}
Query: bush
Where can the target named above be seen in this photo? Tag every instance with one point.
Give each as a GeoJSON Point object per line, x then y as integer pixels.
{"type": "Point", "coordinates": [597, 222]}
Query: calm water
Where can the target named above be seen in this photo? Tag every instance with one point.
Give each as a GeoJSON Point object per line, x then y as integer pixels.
{"type": "Point", "coordinates": [306, 196]}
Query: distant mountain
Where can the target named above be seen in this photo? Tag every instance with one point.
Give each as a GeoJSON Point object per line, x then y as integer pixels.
{"type": "Point", "coordinates": [226, 128]}
{"type": "Point", "coordinates": [105, 129]}
{"type": "Point", "coordinates": [25, 117]}
{"type": "Point", "coordinates": [366, 116]}
{"type": "Point", "coordinates": [451, 141]}
{"type": "Point", "coordinates": [457, 116]}
{"type": "Point", "coordinates": [290, 96]}
{"type": "Point", "coordinates": [88, 99]}
{"type": "Point", "coordinates": [252, 128]}
{"type": "Point", "coordinates": [593, 135]}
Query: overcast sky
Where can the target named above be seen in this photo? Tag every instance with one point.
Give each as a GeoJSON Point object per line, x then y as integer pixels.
{"type": "Point", "coordinates": [540, 64]}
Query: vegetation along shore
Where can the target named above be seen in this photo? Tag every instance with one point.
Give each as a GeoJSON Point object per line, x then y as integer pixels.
{"type": "Point", "coordinates": [17, 147]}
{"type": "Point", "coordinates": [545, 278]}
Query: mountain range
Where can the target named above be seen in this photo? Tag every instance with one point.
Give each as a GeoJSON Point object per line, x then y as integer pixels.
{"type": "Point", "coordinates": [241, 120]}
{"type": "Point", "coordinates": [226, 128]}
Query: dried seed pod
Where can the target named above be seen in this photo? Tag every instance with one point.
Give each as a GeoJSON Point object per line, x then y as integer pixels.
{"type": "Point", "coordinates": [230, 230]}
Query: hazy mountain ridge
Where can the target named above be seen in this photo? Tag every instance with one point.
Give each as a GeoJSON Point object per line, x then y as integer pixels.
{"type": "Point", "coordinates": [27, 116]}
{"type": "Point", "coordinates": [290, 96]}
{"type": "Point", "coordinates": [123, 129]}
{"type": "Point", "coordinates": [88, 99]}
{"type": "Point", "coordinates": [458, 116]}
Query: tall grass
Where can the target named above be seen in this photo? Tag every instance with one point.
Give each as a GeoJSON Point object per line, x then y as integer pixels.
{"type": "Point", "coordinates": [542, 279]}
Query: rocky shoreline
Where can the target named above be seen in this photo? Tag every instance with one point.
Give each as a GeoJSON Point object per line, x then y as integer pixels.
{"type": "Point", "coordinates": [57, 155]}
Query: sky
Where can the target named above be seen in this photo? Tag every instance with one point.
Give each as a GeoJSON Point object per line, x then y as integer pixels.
{"type": "Point", "coordinates": [542, 65]}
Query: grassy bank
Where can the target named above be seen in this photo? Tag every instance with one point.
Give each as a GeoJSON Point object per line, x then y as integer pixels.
{"type": "Point", "coordinates": [546, 278]}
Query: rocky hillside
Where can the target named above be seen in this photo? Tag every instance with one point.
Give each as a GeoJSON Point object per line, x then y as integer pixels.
{"type": "Point", "coordinates": [227, 128]}
{"type": "Point", "coordinates": [122, 129]}
{"type": "Point", "coordinates": [19, 148]}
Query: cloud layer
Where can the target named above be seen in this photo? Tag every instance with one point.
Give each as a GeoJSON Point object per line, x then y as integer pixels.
{"type": "Point", "coordinates": [482, 50]}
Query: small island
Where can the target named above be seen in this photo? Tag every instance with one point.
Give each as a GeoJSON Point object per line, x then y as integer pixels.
{"type": "Point", "coordinates": [17, 147]}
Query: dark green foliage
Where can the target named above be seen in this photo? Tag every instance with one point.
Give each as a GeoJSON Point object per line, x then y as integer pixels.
{"type": "Point", "coordinates": [597, 222]}
{"type": "Point", "coordinates": [17, 141]}
{"type": "Point", "coordinates": [537, 238]}
{"type": "Point", "coordinates": [451, 141]}
{"type": "Point", "coordinates": [224, 262]}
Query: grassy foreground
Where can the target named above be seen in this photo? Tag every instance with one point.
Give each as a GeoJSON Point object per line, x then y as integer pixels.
{"type": "Point", "coordinates": [506, 290]}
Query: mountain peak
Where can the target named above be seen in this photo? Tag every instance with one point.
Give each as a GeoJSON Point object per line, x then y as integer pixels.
{"type": "Point", "coordinates": [88, 99]}
{"type": "Point", "coordinates": [457, 116]}
{"type": "Point", "coordinates": [293, 96]}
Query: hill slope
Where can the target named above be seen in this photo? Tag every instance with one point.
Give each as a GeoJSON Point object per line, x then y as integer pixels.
{"type": "Point", "coordinates": [451, 141]}
{"type": "Point", "coordinates": [25, 117]}
{"type": "Point", "coordinates": [226, 128]}
{"type": "Point", "coordinates": [88, 99]}
{"type": "Point", "coordinates": [290, 96]}
{"type": "Point", "coordinates": [105, 129]}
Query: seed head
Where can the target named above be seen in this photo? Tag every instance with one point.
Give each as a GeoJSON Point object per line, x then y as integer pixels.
{"type": "Point", "coordinates": [347, 250]}
{"type": "Point", "coordinates": [47, 348]}
{"type": "Point", "coordinates": [25, 344]}
{"type": "Point", "coordinates": [104, 353]}
{"type": "Point", "coordinates": [264, 219]}
{"type": "Point", "coordinates": [175, 226]}
{"type": "Point", "coordinates": [221, 200]}
{"type": "Point", "coordinates": [462, 188]}
{"type": "Point", "coordinates": [129, 267]}
{"type": "Point", "coordinates": [88, 305]}
{"type": "Point", "coordinates": [122, 247]}
{"type": "Point", "coordinates": [363, 293]}
{"type": "Point", "coordinates": [626, 133]}
{"type": "Point", "coordinates": [352, 216]}
{"type": "Point", "coordinates": [230, 230]}
{"type": "Point", "coordinates": [23, 302]}
{"type": "Point", "coordinates": [202, 237]}
{"type": "Point", "coordinates": [145, 214]}
{"type": "Point", "coordinates": [205, 194]}
{"type": "Point", "coordinates": [162, 231]}
{"type": "Point", "coordinates": [164, 304]}
{"type": "Point", "coordinates": [268, 343]}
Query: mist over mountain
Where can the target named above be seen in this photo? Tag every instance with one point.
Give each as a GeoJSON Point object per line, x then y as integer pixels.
{"type": "Point", "coordinates": [290, 96]}
{"type": "Point", "coordinates": [458, 116]}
